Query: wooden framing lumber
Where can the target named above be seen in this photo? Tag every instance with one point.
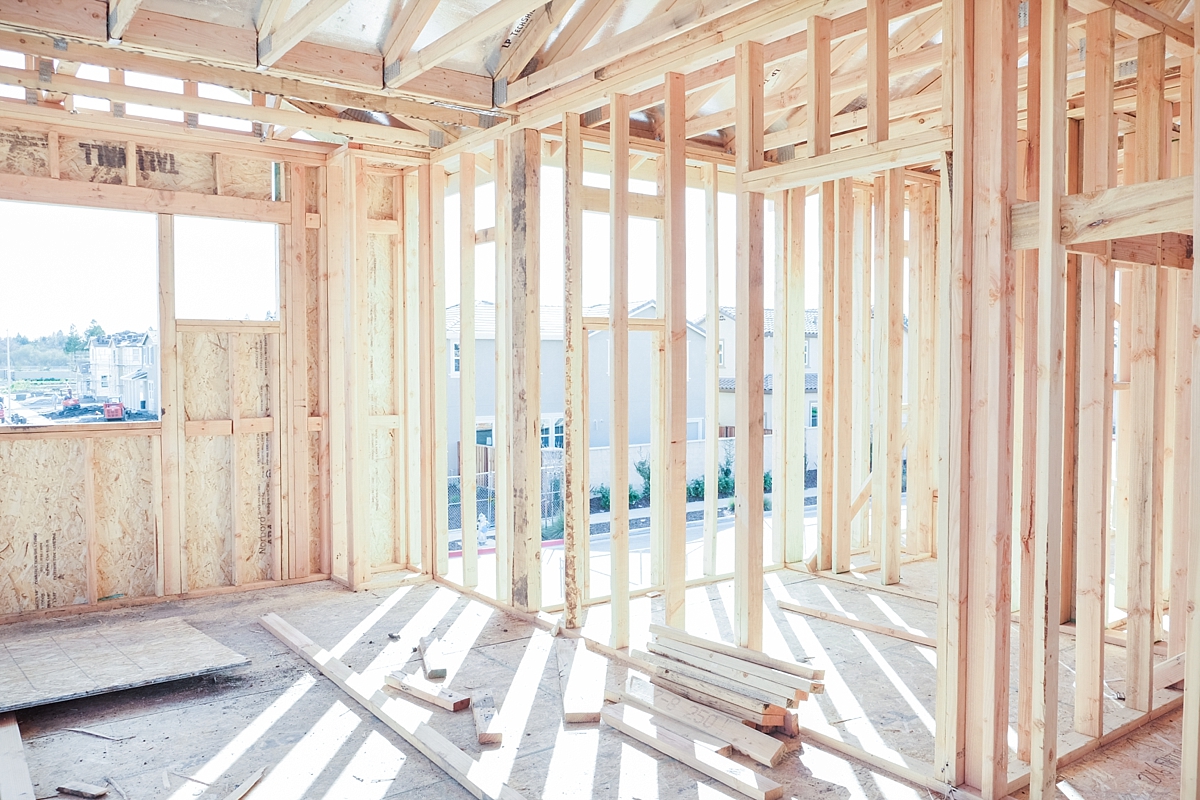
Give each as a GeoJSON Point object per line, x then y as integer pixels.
{"type": "Point", "coordinates": [119, 92]}
{"type": "Point", "coordinates": [1156, 206]}
{"type": "Point", "coordinates": [120, 14]}
{"type": "Point", "coordinates": [1190, 749]}
{"type": "Point", "coordinates": [700, 737]}
{"type": "Point", "coordinates": [672, 493]}
{"type": "Point", "coordinates": [505, 12]}
{"type": "Point", "coordinates": [889, 321]}
{"type": "Point", "coordinates": [483, 710]}
{"type": "Point", "coordinates": [826, 421]}
{"type": "Point", "coordinates": [770, 715]}
{"type": "Point", "coordinates": [878, 95]}
{"type": "Point", "coordinates": [467, 468]}
{"type": "Point", "coordinates": [432, 693]}
{"type": "Point", "coordinates": [15, 783]}
{"type": "Point", "coordinates": [636, 724]}
{"type": "Point", "coordinates": [406, 27]}
{"type": "Point", "coordinates": [504, 534]}
{"type": "Point", "coordinates": [1051, 398]}
{"type": "Point", "coordinates": [397, 714]}
{"type": "Point", "coordinates": [766, 750]}
{"type": "Point", "coordinates": [906, 151]}
{"type": "Point", "coordinates": [712, 369]}
{"type": "Point", "coordinates": [792, 416]}
{"type": "Point", "coordinates": [843, 379]}
{"type": "Point", "coordinates": [524, 310]}
{"type": "Point", "coordinates": [739, 653]}
{"type": "Point", "coordinates": [275, 42]}
{"type": "Point", "coordinates": [576, 492]}
{"type": "Point", "coordinates": [743, 672]}
{"type": "Point", "coordinates": [748, 456]}
{"type": "Point", "coordinates": [870, 627]}
{"type": "Point", "coordinates": [618, 430]}
{"type": "Point", "coordinates": [819, 97]}
{"type": "Point", "coordinates": [518, 49]}
{"type": "Point", "coordinates": [581, 675]}
{"type": "Point", "coordinates": [431, 661]}
{"type": "Point", "coordinates": [730, 690]}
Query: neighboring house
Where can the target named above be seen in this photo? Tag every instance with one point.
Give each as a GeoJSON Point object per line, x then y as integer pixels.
{"type": "Point", "coordinates": [726, 366]}
{"type": "Point", "coordinates": [124, 365]}
{"type": "Point", "coordinates": [553, 374]}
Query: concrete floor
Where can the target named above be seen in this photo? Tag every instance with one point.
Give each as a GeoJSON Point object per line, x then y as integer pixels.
{"type": "Point", "coordinates": [316, 742]}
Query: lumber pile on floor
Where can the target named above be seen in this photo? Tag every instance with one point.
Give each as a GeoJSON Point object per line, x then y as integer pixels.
{"type": "Point", "coordinates": [705, 699]}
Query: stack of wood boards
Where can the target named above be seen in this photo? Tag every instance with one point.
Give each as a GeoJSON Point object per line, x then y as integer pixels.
{"type": "Point", "coordinates": [735, 680]}
{"type": "Point", "coordinates": [705, 699]}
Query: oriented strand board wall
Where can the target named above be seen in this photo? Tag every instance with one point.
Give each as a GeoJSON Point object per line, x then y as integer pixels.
{"type": "Point", "coordinates": [24, 153]}
{"type": "Point", "coordinates": [384, 526]}
{"type": "Point", "coordinates": [126, 531]}
{"type": "Point", "coordinates": [255, 515]}
{"type": "Point", "coordinates": [208, 510]}
{"type": "Point", "coordinates": [204, 360]}
{"type": "Point", "coordinates": [252, 367]}
{"type": "Point", "coordinates": [381, 325]}
{"type": "Point", "coordinates": [379, 196]}
{"type": "Point", "coordinates": [43, 535]}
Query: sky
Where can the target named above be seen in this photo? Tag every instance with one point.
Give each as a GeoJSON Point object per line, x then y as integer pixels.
{"type": "Point", "coordinates": [64, 265]}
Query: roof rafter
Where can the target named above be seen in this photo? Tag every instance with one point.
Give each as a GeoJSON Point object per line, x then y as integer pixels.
{"type": "Point", "coordinates": [406, 29]}
{"type": "Point", "coordinates": [579, 30]}
{"type": "Point", "coordinates": [516, 53]}
{"type": "Point", "coordinates": [653, 31]}
{"type": "Point", "coordinates": [120, 13]}
{"type": "Point", "coordinates": [483, 24]}
{"type": "Point", "coordinates": [273, 44]}
{"type": "Point", "coordinates": [270, 13]}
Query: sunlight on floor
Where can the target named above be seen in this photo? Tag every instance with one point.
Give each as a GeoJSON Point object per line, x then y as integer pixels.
{"type": "Point", "coordinates": [219, 764]}
{"type": "Point", "coordinates": [291, 777]}
{"type": "Point", "coordinates": [370, 772]}
{"type": "Point", "coordinates": [573, 764]}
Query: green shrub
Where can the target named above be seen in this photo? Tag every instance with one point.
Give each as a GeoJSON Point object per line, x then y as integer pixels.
{"type": "Point", "coordinates": [554, 530]}
{"type": "Point", "coordinates": [634, 495]}
{"type": "Point", "coordinates": [767, 481]}
{"type": "Point", "coordinates": [643, 469]}
{"type": "Point", "coordinates": [695, 489]}
{"type": "Point", "coordinates": [766, 504]}
{"type": "Point", "coordinates": [602, 492]}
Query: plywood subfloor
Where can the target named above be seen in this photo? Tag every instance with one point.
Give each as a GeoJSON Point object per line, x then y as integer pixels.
{"type": "Point", "coordinates": [40, 669]}
{"type": "Point", "coordinates": [315, 742]}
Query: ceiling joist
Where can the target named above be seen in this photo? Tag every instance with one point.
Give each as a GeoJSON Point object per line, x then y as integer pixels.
{"type": "Point", "coordinates": [406, 29]}
{"type": "Point", "coordinates": [519, 49]}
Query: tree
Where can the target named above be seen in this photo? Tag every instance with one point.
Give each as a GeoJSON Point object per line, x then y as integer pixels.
{"type": "Point", "coordinates": [93, 330]}
{"type": "Point", "coordinates": [74, 345]}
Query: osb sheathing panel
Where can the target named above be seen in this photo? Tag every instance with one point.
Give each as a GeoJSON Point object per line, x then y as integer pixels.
{"type": "Point", "coordinates": [24, 153]}
{"type": "Point", "coordinates": [316, 500]}
{"type": "Point", "coordinates": [381, 325]}
{"type": "Point", "coordinates": [379, 196]}
{"type": "Point", "coordinates": [244, 177]}
{"type": "Point", "coordinates": [252, 374]}
{"type": "Point", "coordinates": [384, 527]}
{"type": "Point", "coordinates": [126, 540]}
{"type": "Point", "coordinates": [205, 365]}
{"type": "Point", "coordinates": [208, 508]}
{"type": "Point", "coordinates": [256, 528]}
{"type": "Point", "coordinates": [43, 533]}
{"type": "Point", "coordinates": [106, 161]}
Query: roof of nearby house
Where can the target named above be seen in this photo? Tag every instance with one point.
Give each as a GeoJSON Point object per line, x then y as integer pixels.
{"type": "Point", "coordinates": [123, 339]}
{"type": "Point", "coordinates": [551, 318]}
{"type": "Point", "coordinates": [730, 384]}
{"type": "Point", "coordinates": [811, 325]}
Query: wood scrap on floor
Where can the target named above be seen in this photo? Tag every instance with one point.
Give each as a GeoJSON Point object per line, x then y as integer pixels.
{"type": "Point", "coordinates": [397, 714]}
{"type": "Point", "coordinates": [483, 709]}
{"type": "Point", "coordinates": [637, 724]}
{"type": "Point", "coordinates": [15, 783]}
{"type": "Point", "coordinates": [81, 789]}
{"type": "Point", "coordinates": [415, 685]}
{"type": "Point", "coordinates": [701, 738]}
{"type": "Point", "coordinates": [764, 749]}
{"type": "Point", "coordinates": [243, 788]}
{"type": "Point", "coordinates": [431, 658]}
{"type": "Point", "coordinates": [869, 627]}
{"type": "Point", "coordinates": [581, 676]}
{"type": "Point", "coordinates": [714, 684]}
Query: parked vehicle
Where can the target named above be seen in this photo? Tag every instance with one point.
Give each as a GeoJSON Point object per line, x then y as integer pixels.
{"type": "Point", "coordinates": [114, 410]}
